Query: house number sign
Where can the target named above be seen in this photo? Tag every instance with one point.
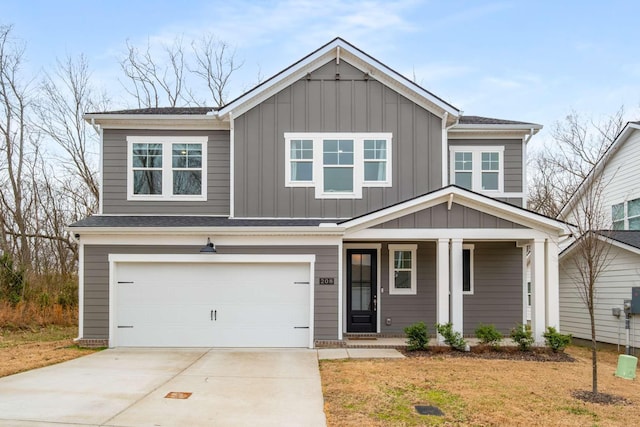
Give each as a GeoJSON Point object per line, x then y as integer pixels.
{"type": "Point", "coordinates": [327, 281]}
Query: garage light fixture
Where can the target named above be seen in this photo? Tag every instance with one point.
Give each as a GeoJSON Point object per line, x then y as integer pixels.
{"type": "Point", "coordinates": [209, 248]}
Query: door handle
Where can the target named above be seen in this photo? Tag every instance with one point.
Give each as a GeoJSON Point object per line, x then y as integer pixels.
{"type": "Point", "coordinates": [215, 315]}
{"type": "Point", "coordinates": [211, 315]}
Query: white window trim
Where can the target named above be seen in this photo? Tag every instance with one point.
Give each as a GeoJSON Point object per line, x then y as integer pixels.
{"type": "Point", "coordinates": [471, 285]}
{"type": "Point", "coordinates": [414, 280]}
{"type": "Point", "coordinates": [476, 171]}
{"type": "Point", "coordinates": [167, 169]}
{"type": "Point", "coordinates": [318, 164]}
{"type": "Point", "coordinates": [625, 214]}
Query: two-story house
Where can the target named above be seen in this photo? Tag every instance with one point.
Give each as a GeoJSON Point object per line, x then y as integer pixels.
{"type": "Point", "coordinates": [614, 189]}
{"type": "Point", "coordinates": [336, 197]}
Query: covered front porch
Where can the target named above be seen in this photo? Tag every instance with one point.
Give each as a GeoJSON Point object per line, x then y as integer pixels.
{"type": "Point", "coordinates": [449, 256]}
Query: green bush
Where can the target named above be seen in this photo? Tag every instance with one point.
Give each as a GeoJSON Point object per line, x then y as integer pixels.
{"type": "Point", "coordinates": [522, 336]}
{"type": "Point", "coordinates": [11, 280]}
{"type": "Point", "coordinates": [451, 338]}
{"type": "Point", "coordinates": [555, 340]}
{"type": "Point", "coordinates": [417, 336]}
{"type": "Point", "coordinates": [488, 334]}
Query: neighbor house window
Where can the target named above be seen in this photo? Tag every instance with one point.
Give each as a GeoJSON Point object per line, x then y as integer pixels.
{"type": "Point", "coordinates": [166, 168]}
{"type": "Point", "coordinates": [477, 168]}
{"type": "Point", "coordinates": [338, 165]}
{"type": "Point", "coordinates": [402, 270]}
{"type": "Point", "coordinates": [626, 215]}
{"type": "Point", "coordinates": [467, 269]}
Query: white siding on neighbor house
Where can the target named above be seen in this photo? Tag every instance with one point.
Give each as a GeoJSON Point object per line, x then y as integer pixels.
{"type": "Point", "coordinates": [613, 287]}
{"type": "Point", "coordinates": [620, 177]}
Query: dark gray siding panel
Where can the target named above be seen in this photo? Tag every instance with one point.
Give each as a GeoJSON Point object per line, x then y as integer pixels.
{"type": "Point", "coordinates": [440, 216]}
{"type": "Point", "coordinates": [96, 282]}
{"type": "Point", "coordinates": [407, 309]}
{"type": "Point", "coordinates": [115, 176]}
{"type": "Point", "coordinates": [323, 104]}
{"type": "Point", "coordinates": [513, 182]}
{"type": "Point", "coordinates": [497, 297]}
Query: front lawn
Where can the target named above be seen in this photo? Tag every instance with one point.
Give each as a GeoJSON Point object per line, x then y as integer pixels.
{"type": "Point", "coordinates": [475, 392]}
{"type": "Point", "coordinates": [22, 350]}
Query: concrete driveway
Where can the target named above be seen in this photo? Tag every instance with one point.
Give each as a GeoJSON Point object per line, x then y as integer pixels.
{"type": "Point", "coordinates": [127, 387]}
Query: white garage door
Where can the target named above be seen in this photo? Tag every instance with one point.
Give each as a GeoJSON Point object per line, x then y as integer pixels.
{"type": "Point", "coordinates": [211, 305]}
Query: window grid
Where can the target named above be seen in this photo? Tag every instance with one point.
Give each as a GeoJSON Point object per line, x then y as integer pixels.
{"type": "Point", "coordinates": [402, 269]}
{"type": "Point", "coordinates": [477, 168]}
{"type": "Point", "coordinates": [626, 215]}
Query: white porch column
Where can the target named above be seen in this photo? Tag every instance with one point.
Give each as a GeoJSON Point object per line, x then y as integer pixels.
{"type": "Point", "coordinates": [457, 317]}
{"type": "Point", "coordinates": [537, 289]}
{"type": "Point", "coordinates": [552, 290]}
{"type": "Point", "coordinates": [442, 284]}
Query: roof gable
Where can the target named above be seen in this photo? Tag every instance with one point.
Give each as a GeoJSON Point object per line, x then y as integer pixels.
{"type": "Point", "coordinates": [339, 50]}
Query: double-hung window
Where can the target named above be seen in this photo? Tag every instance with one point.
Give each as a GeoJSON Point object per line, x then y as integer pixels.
{"type": "Point", "coordinates": [338, 165]}
{"type": "Point", "coordinates": [478, 169]}
{"type": "Point", "coordinates": [626, 215]}
{"type": "Point", "coordinates": [166, 168]}
{"type": "Point", "coordinates": [402, 270]}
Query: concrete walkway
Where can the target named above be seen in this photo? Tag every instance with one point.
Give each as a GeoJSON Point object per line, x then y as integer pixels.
{"type": "Point", "coordinates": [358, 353]}
{"type": "Point", "coordinates": [128, 387]}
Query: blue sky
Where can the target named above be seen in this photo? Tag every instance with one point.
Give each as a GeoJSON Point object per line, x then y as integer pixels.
{"type": "Point", "coordinates": [520, 60]}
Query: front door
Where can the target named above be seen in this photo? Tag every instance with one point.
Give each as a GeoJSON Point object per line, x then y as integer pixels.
{"type": "Point", "coordinates": [362, 290]}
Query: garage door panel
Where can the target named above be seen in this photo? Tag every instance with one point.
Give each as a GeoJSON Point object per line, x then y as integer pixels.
{"type": "Point", "coordinates": [170, 304]}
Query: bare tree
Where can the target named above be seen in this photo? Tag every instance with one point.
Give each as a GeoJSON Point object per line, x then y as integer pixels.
{"type": "Point", "coordinates": [215, 62]}
{"type": "Point", "coordinates": [589, 255]}
{"type": "Point", "coordinates": [558, 170]}
{"type": "Point", "coordinates": [65, 96]}
{"type": "Point", "coordinates": [155, 81]}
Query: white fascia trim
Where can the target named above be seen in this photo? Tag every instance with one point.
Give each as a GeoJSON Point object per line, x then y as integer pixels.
{"type": "Point", "coordinates": [158, 121]}
{"type": "Point", "coordinates": [613, 148]}
{"type": "Point", "coordinates": [455, 134]}
{"type": "Point", "coordinates": [412, 234]}
{"type": "Point", "coordinates": [198, 240]}
{"type": "Point", "coordinates": [359, 60]}
{"type": "Point", "coordinates": [227, 231]}
{"type": "Point", "coordinates": [213, 258]}
{"type": "Point", "coordinates": [462, 197]}
{"type": "Point", "coordinates": [526, 127]}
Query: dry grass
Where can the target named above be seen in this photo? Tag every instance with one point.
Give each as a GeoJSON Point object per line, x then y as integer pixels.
{"type": "Point", "coordinates": [29, 349]}
{"type": "Point", "coordinates": [474, 392]}
{"type": "Point", "coordinates": [29, 315]}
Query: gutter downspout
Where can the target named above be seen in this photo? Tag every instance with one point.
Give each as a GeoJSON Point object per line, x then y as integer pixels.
{"type": "Point", "coordinates": [445, 147]}
{"type": "Point", "coordinates": [100, 132]}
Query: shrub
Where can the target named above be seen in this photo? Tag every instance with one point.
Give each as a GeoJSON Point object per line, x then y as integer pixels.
{"type": "Point", "coordinates": [522, 336]}
{"type": "Point", "coordinates": [488, 334]}
{"type": "Point", "coordinates": [555, 340]}
{"type": "Point", "coordinates": [11, 280]}
{"type": "Point", "coordinates": [417, 336]}
{"type": "Point", "coordinates": [451, 338]}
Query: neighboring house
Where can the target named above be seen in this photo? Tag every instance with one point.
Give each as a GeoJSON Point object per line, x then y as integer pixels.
{"type": "Point", "coordinates": [340, 196]}
{"type": "Point", "coordinates": [617, 174]}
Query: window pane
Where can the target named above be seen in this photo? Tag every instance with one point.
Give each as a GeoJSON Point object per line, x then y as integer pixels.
{"type": "Point", "coordinates": [375, 149]}
{"type": "Point", "coordinates": [463, 179]}
{"type": "Point", "coordinates": [147, 182]}
{"type": "Point", "coordinates": [402, 280]}
{"type": "Point", "coordinates": [301, 171]}
{"type": "Point", "coordinates": [489, 181]}
{"type": "Point", "coordinates": [147, 155]}
{"type": "Point", "coordinates": [463, 161]}
{"type": "Point", "coordinates": [187, 155]}
{"type": "Point", "coordinates": [617, 212]}
{"type": "Point", "coordinates": [618, 225]}
{"type": "Point", "coordinates": [301, 149]}
{"type": "Point", "coordinates": [466, 270]}
{"type": "Point", "coordinates": [375, 171]}
{"type": "Point", "coordinates": [633, 208]}
{"type": "Point", "coordinates": [187, 182]}
{"type": "Point", "coordinates": [360, 297]}
{"type": "Point", "coordinates": [402, 259]}
{"type": "Point", "coordinates": [490, 161]}
{"type": "Point", "coordinates": [338, 152]}
{"type": "Point", "coordinates": [338, 180]}
{"type": "Point", "coordinates": [634, 223]}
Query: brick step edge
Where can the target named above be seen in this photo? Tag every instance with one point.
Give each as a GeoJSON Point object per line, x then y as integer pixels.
{"type": "Point", "coordinates": [91, 343]}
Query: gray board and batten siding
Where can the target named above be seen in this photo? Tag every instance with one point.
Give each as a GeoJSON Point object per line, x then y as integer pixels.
{"type": "Point", "coordinates": [323, 102]}
{"type": "Point", "coordinates": [496, 300]}
{"type": "Point", "coordinates": [440, 216]}
{"type": "Point", "coordinates": [96, 281]}
{"type": "Point", "coordinates": [115, 176]}
{"type": "Point", "coordinates": [513, 182]}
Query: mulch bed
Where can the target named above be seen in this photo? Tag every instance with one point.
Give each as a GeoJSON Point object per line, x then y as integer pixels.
{"type": "Point", "coordinates": [601, 398]}
{"type": "Point", "coordinates": [487, 352]}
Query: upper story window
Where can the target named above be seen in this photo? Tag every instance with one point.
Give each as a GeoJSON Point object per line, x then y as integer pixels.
{"type": "Point", "coordinates": [166, 168]}
{"type": "Point", "coordinates": [478, 169]}
{"type": "Point", "coordinates": [338, 165]}
{"type": "Point", "coordinates": [626, 215]}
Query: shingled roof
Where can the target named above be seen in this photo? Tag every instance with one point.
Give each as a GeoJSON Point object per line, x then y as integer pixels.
{"type": "Point", "coordinates": [478, 120]}
{"type": "Point", "coordinates": [628, 237]}
{"type": "Point", "coordinates": [186, 111]}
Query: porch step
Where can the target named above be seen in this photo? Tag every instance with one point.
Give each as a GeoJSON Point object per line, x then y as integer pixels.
{"type": "Point", "coordinates": [361, 340]}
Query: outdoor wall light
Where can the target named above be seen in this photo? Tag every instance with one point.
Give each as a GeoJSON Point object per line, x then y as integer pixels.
{"type": "Point", "coordinates": [209, 248]}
